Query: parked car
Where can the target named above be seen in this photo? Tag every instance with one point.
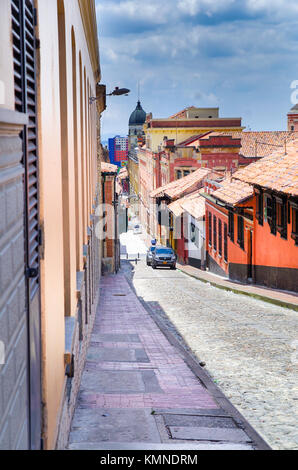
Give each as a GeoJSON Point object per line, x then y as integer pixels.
{"type": "Point", "coordinates": [137, 229]}
{"type": "Point", "coordinates": [163, 256]}
{"type": "Point", "coordinates": [149, 255]}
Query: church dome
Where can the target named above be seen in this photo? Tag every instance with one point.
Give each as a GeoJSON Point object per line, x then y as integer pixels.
{"type": "Point", "coordinates": [138, 117]}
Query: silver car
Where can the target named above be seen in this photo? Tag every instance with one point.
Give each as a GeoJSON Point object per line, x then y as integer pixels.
{"type": "Point", "coordinates": [149, 255]}
{"type": "Point", "coordinates": [163, 256]}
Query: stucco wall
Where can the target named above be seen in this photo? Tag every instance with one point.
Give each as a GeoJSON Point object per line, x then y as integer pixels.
{"type": "Point", "coordinates": [61, 178]}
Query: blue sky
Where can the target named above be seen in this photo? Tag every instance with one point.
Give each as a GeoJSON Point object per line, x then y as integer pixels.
{"type": "Point", "coordinates": [240, 55]}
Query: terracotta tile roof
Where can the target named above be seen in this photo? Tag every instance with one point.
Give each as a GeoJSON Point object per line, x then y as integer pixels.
{"type": "Point", "coordinates": [182, 186]}
{"type": "Point", "coordinates": [195, 206]}
{"type": "Point", "coordinates": [259, 144]}
{"type": "Point", "coordinates": [177, 206]}
{"type": "Point", "coordinates": [108, 168]}
{"type": "Point", "coordinates": [233, 191]}
{"type": "Point", "coordinates": [278, 171]}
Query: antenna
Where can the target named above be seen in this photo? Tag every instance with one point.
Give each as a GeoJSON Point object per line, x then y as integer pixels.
{"type": "Point", "coordinates": [139, 90]}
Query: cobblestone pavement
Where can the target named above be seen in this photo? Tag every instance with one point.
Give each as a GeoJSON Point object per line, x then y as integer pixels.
{"type": "Point", "coordinates": [248, 346]}
{"type": "Point", "coordinates": [137, 390]}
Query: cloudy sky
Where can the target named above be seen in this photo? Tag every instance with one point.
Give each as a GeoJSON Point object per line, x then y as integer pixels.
{"type": "Point", "coordinates": [240, 55]}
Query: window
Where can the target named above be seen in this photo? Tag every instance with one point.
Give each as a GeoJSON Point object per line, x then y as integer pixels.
{"type": "Point", "coordinates": [186, 172]}
{"type": "Point", "coordinates": [281, 217]}
{"type": "Point", "coordinates": [192, 233]}
{"type": "Point", "coordinates": [294, 234]}
{"type": "Point", "coordinates": [219, 237]}
{"type": "Point", "coordinates": [225, 242]}
{"type": "Point", "coordinates": [179, 174]}
{"type": "Point", "coordinates": [271, 213]}
{"type": "Point", "coordinates": [231, 225]}
{"type": "Point", "coordinates": [240, 237]}
{"type": "Point", "coordinates": [214, 233]}
{"type": "Point", "coordinates": [210, 228]}
{"type": "Point", "coordinates": [260, 202]}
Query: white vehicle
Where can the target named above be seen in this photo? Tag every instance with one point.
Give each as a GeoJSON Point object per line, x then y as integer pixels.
{"type": "Point", "coordinates": [137, 229]}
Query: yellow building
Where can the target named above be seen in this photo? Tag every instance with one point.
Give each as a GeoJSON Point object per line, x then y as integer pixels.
{"type": "Point", "coordinates": [157, 165]}
{"type": "Point", "coordinates": [49, 191]}
{"type": "Point", "coordinates": [185, 124]}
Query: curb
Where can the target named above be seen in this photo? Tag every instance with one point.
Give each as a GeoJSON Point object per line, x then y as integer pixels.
{"type": "Point", "coordinates": [280, 303]}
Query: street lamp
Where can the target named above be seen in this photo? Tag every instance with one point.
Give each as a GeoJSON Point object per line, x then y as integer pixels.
{"type": "Point", "coordinates": [117, 92]}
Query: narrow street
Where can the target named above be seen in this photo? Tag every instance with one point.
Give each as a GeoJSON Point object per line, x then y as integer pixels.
{"type": "Point", "coordinates": [247, 345]}
{"type": "Point", "coordinates": [138, 390]}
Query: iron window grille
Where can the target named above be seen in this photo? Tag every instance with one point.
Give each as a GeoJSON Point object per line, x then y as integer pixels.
{"type": "Point", "coordinates": [219, 237]}
{"type": "Point", "coordinates": [240, 232]}
{"type": "Point", "coordinates": [210, 228]}
{"type": "Point", "coordinates": [214, 233]}
{"type": "Point", "coordinates": [231, 225]}
{"type": "Point", "coordinates": [225, 242]}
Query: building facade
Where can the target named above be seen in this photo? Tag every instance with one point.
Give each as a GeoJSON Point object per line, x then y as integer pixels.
{"type": "Point", "coordinates": [164, 159]}
{"type": "Point", "coordinates": [118, 150]}
{"type": "Point", "coordinates": [49, 190]}
{"type": "Point", "coordinates": [254, 216]}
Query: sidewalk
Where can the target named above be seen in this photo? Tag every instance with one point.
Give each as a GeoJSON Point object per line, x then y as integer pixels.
{"type": "Point", "coordinates": [284, 299]}
{"type": "Point", "coordinates": [137, 391]}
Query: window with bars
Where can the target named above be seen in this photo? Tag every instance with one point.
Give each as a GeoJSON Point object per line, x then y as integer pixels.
{"type": "Point", "coordinates": [294, 233]}
{"type": "Point", "coordinates": [219, 237]}
{"type": "Point", "coordinates": [214, 233]}
{"type": "Point", "coordinates": [231, 225]}
{"type": "Point", "coordinates": [260, 207]}
{"type": "Point", "coordinates": [271, 213]}
{"type": "Point", "coordinates": [225, 242]}
{"type": "Point", "coordinates": [210, 228]}
{"type": "Point", "coordinates": [240, 232]}
{"type": "Point", "coordinates": [282, 217]}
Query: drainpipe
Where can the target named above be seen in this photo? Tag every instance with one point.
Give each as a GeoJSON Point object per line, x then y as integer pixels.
{"type": "Point", "coordinates": [115, 204]}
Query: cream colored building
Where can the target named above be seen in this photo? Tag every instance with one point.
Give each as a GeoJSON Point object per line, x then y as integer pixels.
{"type": "Point", "coordinates": [49, 70]}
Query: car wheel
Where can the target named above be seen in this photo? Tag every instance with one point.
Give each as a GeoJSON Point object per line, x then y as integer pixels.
{"type": "Point", "coordinates": [173, 267]}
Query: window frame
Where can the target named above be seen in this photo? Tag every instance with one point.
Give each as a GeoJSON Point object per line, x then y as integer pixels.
{"type": "Point", "coordinates": [214, 232]}
{"type": "Point", "coordinates": [225, 243]}
{"type": "Point", "coordinates": [219, 237]}
{"type": "Point", "coordinates": [240, 231]}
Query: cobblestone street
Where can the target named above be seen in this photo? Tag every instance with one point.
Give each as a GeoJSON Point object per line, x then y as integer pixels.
{"type": "Point", "coordinates": [247, 345]}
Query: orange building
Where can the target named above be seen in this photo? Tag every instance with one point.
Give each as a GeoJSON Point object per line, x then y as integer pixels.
{"type": "Point", "coordinates": [259, 211]}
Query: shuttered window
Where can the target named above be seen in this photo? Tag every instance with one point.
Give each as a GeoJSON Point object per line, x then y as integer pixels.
{"type": "Point", "coordinates": [23, 24]}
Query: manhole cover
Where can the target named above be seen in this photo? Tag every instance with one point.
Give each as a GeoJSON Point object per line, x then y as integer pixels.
{"type": "Point", "coordinates": [119, 295]}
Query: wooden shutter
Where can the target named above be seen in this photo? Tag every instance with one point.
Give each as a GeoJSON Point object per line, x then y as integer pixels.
{"type": "Point", "coordinates": [23, 23]}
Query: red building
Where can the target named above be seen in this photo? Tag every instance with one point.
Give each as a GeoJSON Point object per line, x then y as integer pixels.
{"type": "Point", "coordinates": [293, 119]}
{"type": "Point", "coordinates": [252, 222]}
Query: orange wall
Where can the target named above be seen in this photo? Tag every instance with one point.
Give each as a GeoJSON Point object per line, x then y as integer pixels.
{"type": "Point", "coordinates": [272, 250]}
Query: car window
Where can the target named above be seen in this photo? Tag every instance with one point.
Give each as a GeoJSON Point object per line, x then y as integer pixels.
{"type": "Point", "coordinates": [164, 251]}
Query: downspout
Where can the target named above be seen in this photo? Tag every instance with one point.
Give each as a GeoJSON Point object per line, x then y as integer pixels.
{"type": "Point", "coordinates": [115, 204]}
{"type": "Point", "coordinates": [103, 202]}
